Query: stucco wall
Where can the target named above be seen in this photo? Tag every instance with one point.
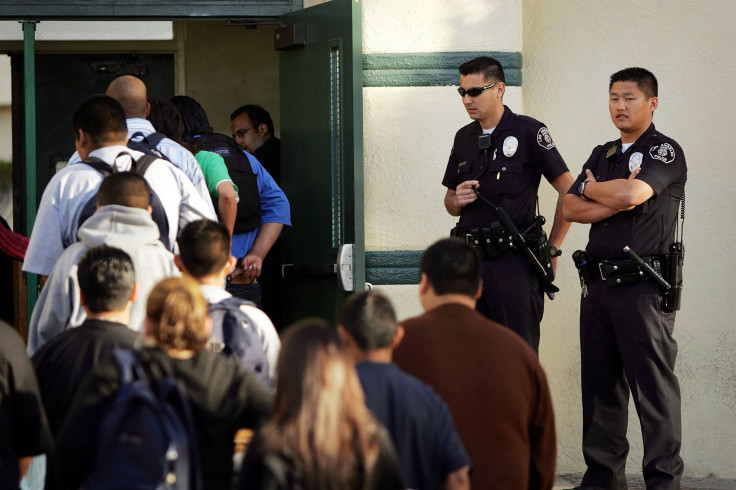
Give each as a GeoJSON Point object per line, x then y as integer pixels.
{"type": "Point", "coordinates": [570, 50]}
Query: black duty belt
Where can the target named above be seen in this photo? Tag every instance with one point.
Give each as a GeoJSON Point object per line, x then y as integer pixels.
{"type": "Point", "coordinates": [490, 242]}
{"type": "Point", "coordinates": [622, 272]}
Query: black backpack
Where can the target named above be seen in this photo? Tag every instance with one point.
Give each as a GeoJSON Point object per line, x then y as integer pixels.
{"type": "Point", "coordinates": [147, 437]}
{"type": "Point", "coordinates": [234, 335]}
{"type": "Point", "coordinates": [147, 144]}
{"type": "Point", "coordinates": [241, 173]}
{"type": "Point", "coordinates": [140, 167]}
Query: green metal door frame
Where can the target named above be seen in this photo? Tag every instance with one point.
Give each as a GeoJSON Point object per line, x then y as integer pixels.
{"type": "Point", "coordinates": [29, 90]}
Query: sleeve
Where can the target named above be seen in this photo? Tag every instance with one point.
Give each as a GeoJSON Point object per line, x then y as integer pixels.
{"type": "Point", "coordinates": [581, 177]}
{"type": "Point", "coordinates": [46, 241]}
{"type": "Point", "coordinates": [268, 335]}
{"type": "Point", "coordinates": [664, 165]}
{"type": "Point", "coordinates": [542, 437]}
{"type": "Point", "coordinates": [21, 396]}
{"type": "Point", "coordinates": [214, 170]}
{"type": "Point", "coordinates": [547, 156]}
{"type": "Point", "coordinates": [451, 177]}
{"type": "Point", "coordinates": [274, 204]}
{"type": "Point", "coordinates": [58, 307]}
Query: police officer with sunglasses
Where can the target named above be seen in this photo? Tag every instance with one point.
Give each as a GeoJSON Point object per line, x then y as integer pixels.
{"type": "Point", "coordinates": [498, 161]}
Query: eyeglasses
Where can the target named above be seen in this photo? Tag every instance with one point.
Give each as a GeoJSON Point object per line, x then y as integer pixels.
{"type": "Point", "coordinates": [244, 131]}
{"type": "Point", "coordinates": [475, 91]}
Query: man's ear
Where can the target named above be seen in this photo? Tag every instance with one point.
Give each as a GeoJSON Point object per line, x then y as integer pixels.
{"type": "Point", "coordinates": [230, 265]}
{"type": "Point", "coordinates": [134, 293]}
{"type": "Point", "coordinates": [82, 299]}
{"type": "Point", "coordinates": [653, 104]}
{"type": "Point", "coordinates": [398, 337]}
{"type": "Point", "coordinates": [423, 283]}
{"type": "Point", "coordinates": [262, 129]}
{"type": "Point", "coordinates": [345, 337]}
{"type": "Point", "coordinates": [179, 264]}
{"type": "Point", "coordinates": [479, 292]}
{"type": "Point", "coordinates": [148, 109]}
{"type": "Point", "coordinates": [150, 210]}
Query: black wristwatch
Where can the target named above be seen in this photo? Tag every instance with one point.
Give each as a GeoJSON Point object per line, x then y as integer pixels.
{"type": "Point", "coordinates": [581, 190]}
{"type": "Point", "coordinates": [554, 251]}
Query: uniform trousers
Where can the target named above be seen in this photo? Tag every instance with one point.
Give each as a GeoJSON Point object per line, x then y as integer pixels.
{"type": "Point", "coordinates": [511, 295]}
{"type": "Point", "coordinates": [627, 346]}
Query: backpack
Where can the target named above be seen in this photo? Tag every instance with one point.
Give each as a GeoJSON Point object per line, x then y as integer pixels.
{"type": "Point", "coordinates": [147, 437]}
{"type": "Point", "coordinates": [234, 339]}
{"type": "Point", "coordinates": [242, 175]}
{"type": "Point", "coordinates": [283, 470]}
{"type": "Point", "coordinates": [140, 167]}
{"type": "Point", "coordinates": [147, 144]}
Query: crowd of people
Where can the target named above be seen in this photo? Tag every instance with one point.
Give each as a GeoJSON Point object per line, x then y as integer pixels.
{"type": "Point", "coordinates": [151, 309]}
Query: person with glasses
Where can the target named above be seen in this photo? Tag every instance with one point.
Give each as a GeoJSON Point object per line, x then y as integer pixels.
{"type": "Point", "coordinates": [252, 128]}
{"type": "Point", "coordinates": [497, 161]}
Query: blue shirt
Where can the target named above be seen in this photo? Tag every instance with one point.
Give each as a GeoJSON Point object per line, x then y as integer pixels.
{"type": "Point", "coordinates": [274, 208]}
{"type": "Point", "coordinates": [419, 422]}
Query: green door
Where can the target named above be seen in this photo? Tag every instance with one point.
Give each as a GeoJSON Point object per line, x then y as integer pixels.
{"type": "Point", "coordinates": [322, 160]}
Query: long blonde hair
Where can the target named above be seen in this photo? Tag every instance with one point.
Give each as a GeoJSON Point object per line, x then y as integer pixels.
{"type": "Point", "coordinates": [320, 415]}
{"type": "Point", "coordinates": [177, 314]}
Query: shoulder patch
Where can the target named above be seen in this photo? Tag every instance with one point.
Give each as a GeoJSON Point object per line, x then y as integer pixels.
{"type": "Point", "coordinates": [664, 152]}
{"type": "Point", "coordinates": [544, 139]}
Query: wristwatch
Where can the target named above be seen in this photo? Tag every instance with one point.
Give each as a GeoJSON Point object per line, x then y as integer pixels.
{"type": "Point", "coordinates": [554, 251]}
{"type": "Point", "coordinates": [581, 190]}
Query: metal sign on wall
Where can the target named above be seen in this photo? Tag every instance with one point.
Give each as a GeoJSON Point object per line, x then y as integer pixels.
{"type": "Point", "coordinates": [144, 9]}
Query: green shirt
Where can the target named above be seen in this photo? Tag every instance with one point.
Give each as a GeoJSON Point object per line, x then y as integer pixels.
{"type": "Point", "coordinates": [214, 170]}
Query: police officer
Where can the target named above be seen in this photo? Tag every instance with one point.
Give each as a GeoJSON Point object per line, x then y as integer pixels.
{"type": "Point", "coordinates": [630, 191]}
{"type": "Point", "coordinates": [500, 157]}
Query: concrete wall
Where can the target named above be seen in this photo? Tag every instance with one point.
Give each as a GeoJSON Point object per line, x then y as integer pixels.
{"type": "Point", "coordinates": [570, 50]}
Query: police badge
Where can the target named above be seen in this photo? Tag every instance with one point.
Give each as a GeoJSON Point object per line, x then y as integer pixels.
{"type": "Point", "coordinates": [544, 139]}
{"type": "Point", "coordinates": [635, 161]}
{"type": "Point", "coordinates": [510, 144]}
{"type": "Point", "coordinates": [663, 152]}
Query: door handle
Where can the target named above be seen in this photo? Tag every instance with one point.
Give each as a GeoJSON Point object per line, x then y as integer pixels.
{"type": "Point", "coordinates": [344, 269]}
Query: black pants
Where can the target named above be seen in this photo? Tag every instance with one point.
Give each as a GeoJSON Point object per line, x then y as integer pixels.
{"type": "Point", "coordinates": [511, 295]}
{"type": "Point", "coordinates": [626, 345]}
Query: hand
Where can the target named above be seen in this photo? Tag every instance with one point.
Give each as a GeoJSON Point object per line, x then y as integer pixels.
{"type": "Point", "coordinates": [589, 176]}
{"type": "Point", "coordinates": [251, 266]}
{"type": "Point", "coordinates": [634, 174]}
{"type": "Point", "coordinates": [465, 193]}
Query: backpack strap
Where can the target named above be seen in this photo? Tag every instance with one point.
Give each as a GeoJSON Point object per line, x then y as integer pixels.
{"type": "Point", "coordinates": [100, 165]}
{"type": "Point", "coordinates": [141, 165]}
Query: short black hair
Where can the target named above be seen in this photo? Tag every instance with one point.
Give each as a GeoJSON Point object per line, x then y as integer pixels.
{"type": "Point", "coordinates": [490, 68]}
{"type": "Point", "coordinates": [370, 319]}
{"type": "Point", "coordinates": [124, 189]}
{"type": "Point", "coordinates": [106, 278]}
{"type": "Point", "coordinates": [644, 79]}
{"type": "Point", "coordinates": [452, 267]}
{"type": "Point", "coordinates": [103, 118]}
{"type": "Point", "coordinates": [257, 115]}
{"type": "Point", "coordinates": [204, 247]}
{"type": "Point", "coordinates": [193, 116]}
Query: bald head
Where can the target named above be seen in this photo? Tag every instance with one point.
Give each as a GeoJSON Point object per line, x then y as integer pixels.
{"type": "Point", "coordinates": [131, 93]}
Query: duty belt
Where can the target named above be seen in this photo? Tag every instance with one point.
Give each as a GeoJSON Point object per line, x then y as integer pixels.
{"type": "Point", "coordinates": [622, 272]}
{"type": "Point", "coordinates": [490, 242]}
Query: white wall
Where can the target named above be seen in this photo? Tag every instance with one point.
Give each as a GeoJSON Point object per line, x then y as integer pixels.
{"type": "Point", "coordinates": [570, 50]}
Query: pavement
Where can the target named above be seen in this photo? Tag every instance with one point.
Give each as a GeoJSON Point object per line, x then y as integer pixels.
{"type": "Point", "coordinates": [636, 482]}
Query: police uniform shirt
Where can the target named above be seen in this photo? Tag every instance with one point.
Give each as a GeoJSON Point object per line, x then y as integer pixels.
{"type": "Point", "coordinates": [521, 151]}
{"type": "Point", "coordinates": [649, 228]}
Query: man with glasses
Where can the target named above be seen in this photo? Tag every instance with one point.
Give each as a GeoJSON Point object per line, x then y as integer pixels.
{"type": "Point", "coordinates": [252, 128]}
{"type": "Point", "coordinates": [497, 161]}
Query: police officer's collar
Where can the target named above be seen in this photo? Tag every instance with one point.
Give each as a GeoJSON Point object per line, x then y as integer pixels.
{"type": "Point", "coordinates": [614, 151]}
{"type": "Point", "coordinates": [502, 124]}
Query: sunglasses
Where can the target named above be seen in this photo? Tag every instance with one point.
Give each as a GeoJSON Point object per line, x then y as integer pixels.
{"type": "Point", "coordinates": [475, 91]}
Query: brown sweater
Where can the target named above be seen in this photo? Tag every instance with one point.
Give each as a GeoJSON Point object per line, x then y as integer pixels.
{"type": "Point", "coordinates": [496, 390]}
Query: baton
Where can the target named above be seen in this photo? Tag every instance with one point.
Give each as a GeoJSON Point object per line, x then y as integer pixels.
{"type": "Point", "coordinates": [648, 269]}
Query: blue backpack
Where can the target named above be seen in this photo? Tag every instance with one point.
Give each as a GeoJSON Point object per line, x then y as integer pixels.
{"type": "Point", "coordinates": [147, 144]}
{"type": "Point", "coordinates": [233, 334]}
{"type": "Point", "coordinates": [147, 438]}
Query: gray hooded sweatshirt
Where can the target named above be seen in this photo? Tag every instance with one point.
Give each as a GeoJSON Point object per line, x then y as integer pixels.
{"type": "Point", "coordinates": [129, 229]}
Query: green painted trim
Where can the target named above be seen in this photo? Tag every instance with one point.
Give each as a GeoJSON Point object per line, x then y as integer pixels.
{"type": "Point", "coordinates": [29, 89]}
{"type": "Point", "coordinates": [430, 69]}
{"type": "Point", "coordinates": [393, 267]}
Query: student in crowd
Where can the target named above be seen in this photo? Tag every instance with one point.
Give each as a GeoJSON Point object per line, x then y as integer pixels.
{"type": "Point", "coordinates": [431, 453]}
{"type": "Point", "coordinates": [224, 397]}
{"type": "Point", "coordinates": [107, 288]}
{"type": "Point", "coordinates": [123, 220]}
{"type": "Point", "coordinates": [321, 434]}
{"type": "Point", "coordinates": [204, 254]}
